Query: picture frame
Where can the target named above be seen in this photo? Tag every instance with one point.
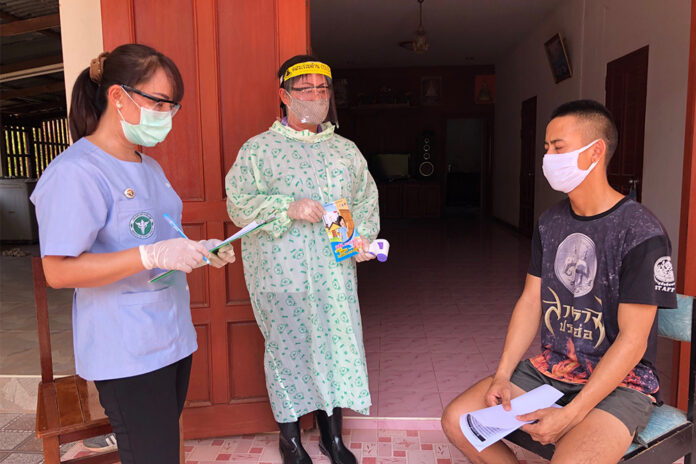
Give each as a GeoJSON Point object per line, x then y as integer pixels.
{"type": "Point", "coordinates": [557, 55]}
{"type": "Point", "coordinates": [484, 89]}
{"type": "Point", "coordinates": [431, 90]}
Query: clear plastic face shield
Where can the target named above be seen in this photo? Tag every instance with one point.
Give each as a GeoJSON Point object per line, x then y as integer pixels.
{"type": "Point", "coordinates": [309, 89]}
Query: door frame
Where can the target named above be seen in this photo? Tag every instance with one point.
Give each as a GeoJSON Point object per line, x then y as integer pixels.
{"type": "Point", "coordinates": [524, 176]}
{"type": "Point", "coordinates": [686, 261]}
{"type": "Point", "coordinates": [486, 161]}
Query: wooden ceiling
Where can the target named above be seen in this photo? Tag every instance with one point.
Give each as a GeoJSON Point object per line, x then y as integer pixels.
{"type": "Point", "coordinates": [31, 62]}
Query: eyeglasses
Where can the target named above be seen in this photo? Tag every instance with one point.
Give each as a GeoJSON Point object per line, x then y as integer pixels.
{"type": "Point", "coordinates": [322, 90]}
{"type": "Point", "coordinates": [161, 104]}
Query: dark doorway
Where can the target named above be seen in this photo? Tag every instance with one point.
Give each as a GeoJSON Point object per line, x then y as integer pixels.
{"type": "Point", "coordinates": [627, 85]}
{"type": "Point", "coordinates": [528, 144]}
{"type": "Point", "coordinates": [465, 148]}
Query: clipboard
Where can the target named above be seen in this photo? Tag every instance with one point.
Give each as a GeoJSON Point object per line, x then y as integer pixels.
{"type": "Point", "coordinates": [252, 226]}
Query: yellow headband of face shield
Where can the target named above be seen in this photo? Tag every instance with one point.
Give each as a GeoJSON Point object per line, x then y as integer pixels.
{"type": "Point", "coordinates": [308, 67]}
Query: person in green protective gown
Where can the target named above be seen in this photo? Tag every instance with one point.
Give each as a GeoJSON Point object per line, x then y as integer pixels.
{"type": "Point", "coordinates": [305, 303]}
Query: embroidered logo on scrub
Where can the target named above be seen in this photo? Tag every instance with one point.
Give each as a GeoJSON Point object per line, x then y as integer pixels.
{"type": "Point", "coordinates": [664, 274]}
{"type": "Point", "coordinates": [142, 225]}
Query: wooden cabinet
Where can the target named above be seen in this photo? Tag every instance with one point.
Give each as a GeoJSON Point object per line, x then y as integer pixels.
{"type": "Point", "coordinates": [409, 199]}
{"type": "Point", "coordinates": [391, 199]}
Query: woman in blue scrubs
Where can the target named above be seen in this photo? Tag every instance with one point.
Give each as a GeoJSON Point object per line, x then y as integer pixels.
{"type": "Point", "coordinates": [100, 207]}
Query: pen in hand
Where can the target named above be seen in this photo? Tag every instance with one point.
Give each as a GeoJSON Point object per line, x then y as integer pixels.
{"type": "Point", "coordinates": [178, 229]}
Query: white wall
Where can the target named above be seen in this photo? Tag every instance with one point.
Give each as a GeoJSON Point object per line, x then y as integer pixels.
{"type": "Point", "coordinates": [627, 25]}
{"type": "Point", "coordinates": [522, 74]}
{"type": "Point", "coordinates": [81, 36]}
{"type": "Point", "coordinates": [596, 32]}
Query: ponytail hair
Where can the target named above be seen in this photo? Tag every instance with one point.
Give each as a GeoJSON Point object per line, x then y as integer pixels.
{"type": "Point", "coordinates": [129, 64]}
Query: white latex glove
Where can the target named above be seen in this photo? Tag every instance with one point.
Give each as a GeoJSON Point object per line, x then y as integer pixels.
{"type": "Point", "coordinates": [180, 254]}
{"type": "Point", "coordinates": [305, 210]}
{"type": "Point", "coordinates": [363, 255]}
{"type": "Point", "coordinates": [225, 255]}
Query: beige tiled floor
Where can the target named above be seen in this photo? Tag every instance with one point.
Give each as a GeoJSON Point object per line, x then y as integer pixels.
{"type": "Point", "coordinates": [19, 350]}
{"type": "Point", "coordinates": [17, 441]}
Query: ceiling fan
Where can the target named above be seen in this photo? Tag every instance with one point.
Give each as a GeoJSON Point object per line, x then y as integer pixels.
{"type": "Point", "coordinates": [420, 42]}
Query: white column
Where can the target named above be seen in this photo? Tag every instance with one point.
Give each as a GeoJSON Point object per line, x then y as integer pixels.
{"type": "Point", "coordinates": [81, 35]}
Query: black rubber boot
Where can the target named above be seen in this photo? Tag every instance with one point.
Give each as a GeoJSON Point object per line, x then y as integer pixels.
{"type": "Point", "coordinates": [291, 449]}
{"type": "Point", "coordinates": [331, 443]}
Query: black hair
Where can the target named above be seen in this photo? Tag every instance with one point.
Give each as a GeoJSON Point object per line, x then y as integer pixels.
{"type": "Point", "coordinates": [287, 84]}
{"type": "Point", "coordinates": [129, 64]}
{"type": "Point", "coordinates": [601, 120]}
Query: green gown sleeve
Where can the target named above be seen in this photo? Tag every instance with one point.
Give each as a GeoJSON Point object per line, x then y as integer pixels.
{"type": "Point", "coordinates": [365, 207]}
{"type": "Point", "coordinates": [248, 198]}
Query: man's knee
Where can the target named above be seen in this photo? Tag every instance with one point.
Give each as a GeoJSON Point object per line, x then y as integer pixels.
{"type": "Point", "coordinates": [471, 400]}
{"type": "Point", "coordinates": [450, 420]}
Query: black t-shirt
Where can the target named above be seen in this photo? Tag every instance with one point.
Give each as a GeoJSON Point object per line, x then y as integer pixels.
{"type": "Point", "coordinates": [588, 265]}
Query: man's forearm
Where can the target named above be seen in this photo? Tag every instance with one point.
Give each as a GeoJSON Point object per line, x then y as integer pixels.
{"type": "Point", "coordinates": [523, 327]}
{"type": "Point", "coordinates": [622, 356]}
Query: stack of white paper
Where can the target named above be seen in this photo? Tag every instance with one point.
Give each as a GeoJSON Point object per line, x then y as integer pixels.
{"type": "Point", "coordinates": [486, 426]}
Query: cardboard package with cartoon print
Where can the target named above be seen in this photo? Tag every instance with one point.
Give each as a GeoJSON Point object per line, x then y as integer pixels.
{"type": "Point", "coordinates": [343, 235]}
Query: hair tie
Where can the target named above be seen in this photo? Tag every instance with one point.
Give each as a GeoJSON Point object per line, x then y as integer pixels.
{"type": "Point", "coordinates": [96, 67]}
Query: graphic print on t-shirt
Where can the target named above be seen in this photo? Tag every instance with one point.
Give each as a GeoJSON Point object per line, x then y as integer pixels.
{"type": "Point", "coordinates": [576, 264]}
{"type": "Point", "coordinates": [664, 274]}
{"type": "Point", "coordinates": [584, 323]}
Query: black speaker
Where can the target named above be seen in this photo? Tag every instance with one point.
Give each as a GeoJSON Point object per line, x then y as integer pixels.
{"type": "Point", "coordinates": [426, 154]}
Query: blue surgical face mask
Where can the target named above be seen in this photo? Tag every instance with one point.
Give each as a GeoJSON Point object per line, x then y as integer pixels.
{"type": "Point", "coordinates": [152, 129]}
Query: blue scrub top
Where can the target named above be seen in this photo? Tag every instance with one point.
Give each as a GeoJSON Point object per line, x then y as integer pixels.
{"type": "Point", "coordinates": [88, 201]}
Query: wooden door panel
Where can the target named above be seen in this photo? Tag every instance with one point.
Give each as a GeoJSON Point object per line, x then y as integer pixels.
{"type": "Point", "coordinates": [626, 91]}
{"type": "Point", "coordinates": [293, 27]}
{"type": "Point", "coordinates": [199, 392]}
{"type": "Point", "coordinates": [248, 69]}
{"type": "Point", "coordinates": [236, 289]}
{"type": "Point", "coordinates": [171, 31]}
{"type": "Point", "coordinates": [118, 26]}
{"type": "Point", "coordinates": [198, 279]}
{"type": "Point", "coordinates": [413, 207]}
{"type": "Point", "coordinates": [431, 200]}
{"type": "Point", "coordinates": [247, 378]}
{"type": "Point", "coordinates": [223, 420]}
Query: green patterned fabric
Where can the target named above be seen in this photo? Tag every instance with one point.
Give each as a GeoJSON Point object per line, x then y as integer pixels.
{"type": "Point", "coordinates": [305, 303]}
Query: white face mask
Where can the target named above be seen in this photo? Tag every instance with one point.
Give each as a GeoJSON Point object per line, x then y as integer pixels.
{"type": "Point", "coordinates": [562, 171]}
{"type": "Point", "coordinates": [309, 111]}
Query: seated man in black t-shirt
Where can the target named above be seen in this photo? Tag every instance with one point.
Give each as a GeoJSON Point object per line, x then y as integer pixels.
{"type": "Point", "coordinates": [600, 267]}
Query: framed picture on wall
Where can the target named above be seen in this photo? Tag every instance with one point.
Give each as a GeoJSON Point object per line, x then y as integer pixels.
{"type": "Point", "coordinates": [431, 90]}
{"type": "Point", "coordinates": [558, 58]}
{"type": "Point", "coordinates": [484, 89]}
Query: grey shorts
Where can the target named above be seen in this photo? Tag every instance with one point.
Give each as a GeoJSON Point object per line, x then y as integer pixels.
{"type": "Point", "coordinates": [631, 407]}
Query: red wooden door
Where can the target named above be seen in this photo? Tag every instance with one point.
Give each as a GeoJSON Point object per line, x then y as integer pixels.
{"type": "Point", "coordinates": [627, 87]}
{"type": "Point", "coordinates": [528, 144]}
{"type": "Point", "coordinates": [228, 53]}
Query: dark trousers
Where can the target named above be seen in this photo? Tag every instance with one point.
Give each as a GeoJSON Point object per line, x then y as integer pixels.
{"type": "Point", "coordinates": [144, 412]}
